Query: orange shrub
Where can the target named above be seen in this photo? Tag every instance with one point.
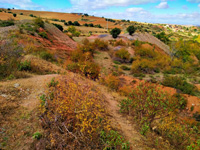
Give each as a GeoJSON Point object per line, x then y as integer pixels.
{"type": "Point", "coordinates": [123, 54]}
{"type": "Point", "coordinates": [100, 45]}
{"type": "Point", "coordinates": [112, 82]}
{"type": "Point", "coordinates": [120, 43]}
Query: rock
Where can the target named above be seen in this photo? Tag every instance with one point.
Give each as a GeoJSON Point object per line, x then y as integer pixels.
{"type": "Point", "coordinates": [4, 95]}
{"type": "Point", "coordinates": [16, 85]}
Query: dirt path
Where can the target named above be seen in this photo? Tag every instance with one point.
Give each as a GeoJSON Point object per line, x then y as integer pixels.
{"type": "Point", "coordinates": [19, 101]}
{"type": "Point", "coordinates": [127, 128]}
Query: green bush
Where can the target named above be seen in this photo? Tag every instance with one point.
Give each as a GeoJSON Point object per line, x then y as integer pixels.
{"type": "Point", "coordinates": [39, 22]}
{"type": "Point", "coordinates": [117, 62]}
{"type": "Point", "coordinates": [6, 23]}
{"type": "Point", "coordinates": [115, 32]}
{"type": "Point", "coordinates": [58, 26]}
{"type": "Point", "coordinates": [70, 23]}
{"type": "Point", "coordinates": [131, 30]}
{"type": "Point", "coordinates": [14, 15]}
{"type": "Point", "coordinates": [37, 135]}
{"type": "Point", "coordinates": [55, 20]}
{"type": "Point", "coordinates": [24, 66]}
{"type": "Point", "coordinates": [62, 20]}
{"type": "Point", "coordinates": [123, 54]}
{"type": "Point", "coordinates": [180, 83]}
{"type": "Point", "coordinates": [125, 67]}
{"type": "Point", "coordinates": [113, 140]}
{"type": "Point", "coordinates": [46, 56]}
{"type": "Point", "coordinates": [31, 15]}
{"type": "Point", "coordinates": [43, 35]}
{"type": "Point", "coordinates": [76, 23]}
{"type": "Point", "coordinates": [21, 14]}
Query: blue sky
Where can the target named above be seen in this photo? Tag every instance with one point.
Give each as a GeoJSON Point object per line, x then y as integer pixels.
{"type": "Point", "coordinates": [153, 11]}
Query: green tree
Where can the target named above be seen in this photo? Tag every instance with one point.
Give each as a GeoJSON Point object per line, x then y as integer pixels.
{"type": "Point", "coordinates": [131, 30]}
{"type": "Point", "coordinates": [58, 26]}
{"type": "Point", "coordinates": [115, 32]}
{"type": "Point", "coordinates": [14, 15]}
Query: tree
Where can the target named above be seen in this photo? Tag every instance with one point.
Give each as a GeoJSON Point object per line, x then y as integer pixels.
{"type": "Point", "coordinates": [131, 30]}
{"type": "Point", "coordinates": [39, 22]}
{"type": "Point", "coordinates": [115, 32]}
{"type": "Point", "coordinates": [58, 26]}
{"type": "Point", "coordinates": [70, 23]}
{"type": "Point", "coordinates": [14, 15]}
{"type": "Point", "coordinates": [76, 23]}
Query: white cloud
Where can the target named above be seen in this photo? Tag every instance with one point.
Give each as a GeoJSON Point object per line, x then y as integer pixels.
{"type": "Point", "coordinates": [134, 9]}
{"type": "Point", "coordinates": [99, 4]}
{"type": "Point", "coordinates": [20, 3]}
{"type": "Point", "coordinates": [199, 5]}
{"type": "Point", "coordinates": [163, 5]}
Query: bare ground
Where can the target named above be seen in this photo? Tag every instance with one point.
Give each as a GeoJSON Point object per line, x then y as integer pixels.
{"type": "Point", "coordinates": [19, 100]}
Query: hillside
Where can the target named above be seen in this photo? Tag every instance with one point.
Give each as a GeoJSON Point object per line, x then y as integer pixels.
{"type": "Point", "coordinates": [63, 87]}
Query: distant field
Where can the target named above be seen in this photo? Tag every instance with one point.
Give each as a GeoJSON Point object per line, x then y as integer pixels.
{"type": "Point", "coordinates": [60, 16]}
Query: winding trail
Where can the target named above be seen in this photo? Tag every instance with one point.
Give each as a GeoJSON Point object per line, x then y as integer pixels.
{"type": "Point", "coordinates": [127, 127]}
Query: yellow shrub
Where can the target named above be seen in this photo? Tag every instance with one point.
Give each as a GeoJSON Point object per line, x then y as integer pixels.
{"type": "Point", "coordinates": [112, 81]}
{"type": "Point", "coordinates": [143, 65]}
{"type": "Point", "coordinates": [75, 113]}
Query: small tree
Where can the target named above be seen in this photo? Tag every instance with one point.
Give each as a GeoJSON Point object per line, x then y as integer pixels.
{"type": "Point", "coordinates": [39, 22]}
{"type": "Point", "coordinates": [14, 15]}
{"type": "Point", "coordinates": [115, 32]}
{"type": "Point", "coordinates": [131, 30]}
{"type": "Point", "coordinates": [70, 23]}
{"type": "Point", "coordinates": [76, 23]}
{"type": "Point", "coordinates": [58, 26]}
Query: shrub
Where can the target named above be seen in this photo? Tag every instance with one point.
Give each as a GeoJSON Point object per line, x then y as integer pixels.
{"type": "Point", "coordinates": [120, 43]}
{"type": "Point", "coordinates": [37, 135]}
{"type": "Point", "coordinates": [73, 30]}
{"type": "Point", "coordinates": [123, 54]}
{"type": "Point", "coordinates": [46, 56]}
{"type": "Point", "coordinates": [39, 22]}
{"type": "Point", "coordinates": [117, 62]}
{"type": "Point", "coordinates": [84, 107]}
{"type": "Point", "coordinates": [90, 69]}
{"type": "Point", "coordinates": [66, 23]}
{"type": "Point", "coordinates": [131, 30]}
{"type": "Point", "coordinates": [55, 20]}
{"type": "Point", "coordinates": [125, 67]}
{"type": "Point", "coordinates": [70, 23]}
{"type": "Point", "coordinates": [76, 23]}
{"type": "Point", "coordinates": [180, 83]}
{"type": "Point", "coordinates": [31, 15]}
{"type": "Point", "coordinates": [146, 53]}
{"type": "Point", "coordinates": [86, 24]}
{"type": "Point", "coordinates": [43, 35]}
{"type": "Point", "coordinates": [143, 65]}
{"type": "Point", "coordinates": [14, 15]}
{"type": "Point", "coordinates": [58, 26]}
{"type": "Point", "coordinates": [114, 140]}
{"type": "Point", "coordinates": [91, 25]}
{"type": "Point", "coordinates": [6, 23]}
{"type": "Point", "coordinates": [112, 82]}
{"type": "Point", "coordinates": [62, 20]}
{"type": "Point", "coordinates": [100, 45]}
{"type": "Point", "coordinates": [24, 66]}
{"type": "Point", "coordinates": [163, 37]}
{"type": "Point", "coordinates": [153, 108]}
{"type": "Point", "coordinates": [115, 32]}
{"type": "Point", "coordinates": [21, 14]}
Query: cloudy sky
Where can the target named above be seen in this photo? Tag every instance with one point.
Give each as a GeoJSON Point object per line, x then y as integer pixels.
{"type": "Point", "coordinates": [153, 11]}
